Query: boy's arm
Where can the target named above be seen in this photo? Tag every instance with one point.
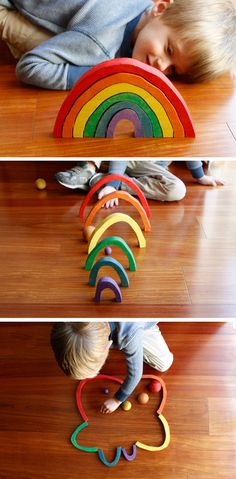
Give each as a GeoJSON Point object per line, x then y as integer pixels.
{"type": "Point", "coordinates": [118, 168]}
{"type": "Point", "coordinates": [134, 359]}
{"type": "Point", "coordinates": [197, 171]}
{"type": "Point", "coordinates": [60, 61]}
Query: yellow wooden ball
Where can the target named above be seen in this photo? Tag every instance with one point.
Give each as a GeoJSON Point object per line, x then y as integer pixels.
{"type": "Point", "coordinates": [41, 184]}
{"type": "Point", "coordinates": [126, 405]}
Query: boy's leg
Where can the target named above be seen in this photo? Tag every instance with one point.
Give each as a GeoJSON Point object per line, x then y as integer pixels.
{"type": "Point", "coordinates": [155, 181]}
{"type": "Point", "coordinates": [155, 350]}
{"type": "Point", "coordinates": [19, 33]}
{"type": "Point", "coordinates": [79, 175]}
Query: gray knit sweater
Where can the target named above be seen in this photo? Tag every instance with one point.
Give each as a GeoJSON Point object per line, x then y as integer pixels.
{"type": "Point", "coordinates": [87, 32]}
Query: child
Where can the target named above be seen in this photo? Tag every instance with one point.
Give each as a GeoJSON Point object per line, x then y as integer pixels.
{"type": "Point", "coordinates": [81, 350]}
{"type": "Point", "coordinates": [196, 40]}
{"type": "Point", "coordinates": [152, 176]}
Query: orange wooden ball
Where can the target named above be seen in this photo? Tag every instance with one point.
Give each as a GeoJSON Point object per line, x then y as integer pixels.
{"type": "Point", "coordinates": [143, 398]}
{"type": "Point", "coordinates": [87, 232]}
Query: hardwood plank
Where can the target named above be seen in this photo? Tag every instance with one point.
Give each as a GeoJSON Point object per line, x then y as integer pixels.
{"type": "Point", "coordinates": [222, 416]}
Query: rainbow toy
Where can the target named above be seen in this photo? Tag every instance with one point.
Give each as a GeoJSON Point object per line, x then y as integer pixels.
{"type": "Point", "coordinates": [75, 438]}
{"type": "Point", "coordinates": [123, 88]}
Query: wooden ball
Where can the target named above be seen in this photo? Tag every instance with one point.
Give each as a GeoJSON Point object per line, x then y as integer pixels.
{"type": "Point", "coordinates": [108, 250]}
{"type": "Point", "coordinates": [143, 398]}
{"type": "Point", "coordinates": [40, 184]}
{"type": "Point", "coordinates": [87, 231]}
{"type": "Point", "coordinates": [155, 386]}
{"type": "Point", "coordinates": [126, 405]}
{"type": "Point", "coordinates": [106, 391]}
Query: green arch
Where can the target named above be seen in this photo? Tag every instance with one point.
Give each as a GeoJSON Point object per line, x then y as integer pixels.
{"type": "Point", "coordinates": [111, 240]}
{"type": "Point", "coordinates": [74, 439]}
{"type": "Point", "coordinates": [107, 116]}
{"type": "Point", "coordinates": [107, 261]}
{"type": "Point", "coordinates": [132, 98]}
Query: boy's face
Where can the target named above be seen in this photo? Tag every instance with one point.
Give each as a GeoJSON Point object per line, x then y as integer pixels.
{"type": "Point", "coordinates": [157, 45]}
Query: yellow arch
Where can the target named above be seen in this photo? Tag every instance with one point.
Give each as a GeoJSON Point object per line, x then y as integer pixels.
{"type": "Point", "coordinates": [123, 195]}
{"type": "Point", "coordinates": [166, 440]}
{"type": "Point", "coordinates": [110, 220]}
{"type": "Point", "coordinates": [89, 107]}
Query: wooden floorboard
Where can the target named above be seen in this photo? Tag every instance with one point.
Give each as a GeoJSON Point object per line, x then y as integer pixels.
{"type": "Point", "coordinates": [38, 410]}
{"type": "Point", "coordinates": [186, 270]}
{"type": "Point", "coordinates": [28, 115]}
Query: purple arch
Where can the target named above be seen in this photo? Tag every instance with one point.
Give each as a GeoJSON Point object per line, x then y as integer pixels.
{"type": "Point", "coordinates": [107, 282]}
{"type": "Point", "coordinates": [125, 114]}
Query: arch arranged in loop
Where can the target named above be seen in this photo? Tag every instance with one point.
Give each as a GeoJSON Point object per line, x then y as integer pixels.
{"type": "Point", "coordinates": [115, 177]}
{"type": "Point", "coordinates": [120, 450]}
{"type": "Point", "coordinates": [166, 440]}
{"type": "Point", "coordinates": [81, 387]}
{"type": "Point", "coordinates": [108, 261]}
{"type": "Point", "coordinates": [164, 390]}
{"type": "Point", "coordinates": [115, 460]}
{"type": "Point", "coordinates": [111, 240]}
{"type": "Point", "coordinates": [108, 283]}
{"type": "Point", "coordinates": [132, 456]}
{"type": "Point", "coordinates": [110, 220]}
{"type": "Point", "coordinates": [123, 195]}
{"type": "Point", "coordinates": [74, 439]}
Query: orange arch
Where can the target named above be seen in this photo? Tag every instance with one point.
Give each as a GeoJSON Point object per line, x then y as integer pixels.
{"type": "Point", "coordinates": [123, 195]}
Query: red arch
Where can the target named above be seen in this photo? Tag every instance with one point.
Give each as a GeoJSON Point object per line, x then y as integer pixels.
{"type": "Point", "coordinates": [107, 179]}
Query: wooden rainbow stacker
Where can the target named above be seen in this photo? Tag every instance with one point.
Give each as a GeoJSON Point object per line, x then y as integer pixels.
{"type": "Point", "coordinates": [123, 89]}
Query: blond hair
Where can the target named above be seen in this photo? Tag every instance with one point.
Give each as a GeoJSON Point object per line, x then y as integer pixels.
{"type": "Point", "coordinates": [208, 29]}
{"type": "Point", "coordinates": [80, 349]}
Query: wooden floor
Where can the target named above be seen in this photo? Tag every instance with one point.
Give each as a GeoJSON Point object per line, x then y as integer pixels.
{"type": "Point", "coordinates": [187, 269]}
{"type": "Point", "coordinates": [38, 411]}
{"type": "Point", "coordinates": [28, 115]}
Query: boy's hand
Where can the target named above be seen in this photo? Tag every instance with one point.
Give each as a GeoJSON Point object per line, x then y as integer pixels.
{"type": "Point", "coordinates": [106, 191]}
{"type": "Point", "coordinates": [210, 181]}
{"type": "Point", "coordinates": [110, 406]}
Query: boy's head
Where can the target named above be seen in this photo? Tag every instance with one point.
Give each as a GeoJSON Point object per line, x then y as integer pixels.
{"type": "Point", "coordinates": [81, 349]}
{"type": "Point", "coordinates": [193, 39]}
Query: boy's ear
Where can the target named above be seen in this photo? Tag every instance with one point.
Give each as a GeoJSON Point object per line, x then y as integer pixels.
{"type": "Point", "coordinates": [160, 6]}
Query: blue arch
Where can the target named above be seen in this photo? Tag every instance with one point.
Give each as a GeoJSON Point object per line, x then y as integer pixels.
{"type": "Point", "coordinates": [112, 110]}
{"type": "Point", "coordinates": [115, 460]}
{"type": "Point", "coordinates": [108, 261]}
